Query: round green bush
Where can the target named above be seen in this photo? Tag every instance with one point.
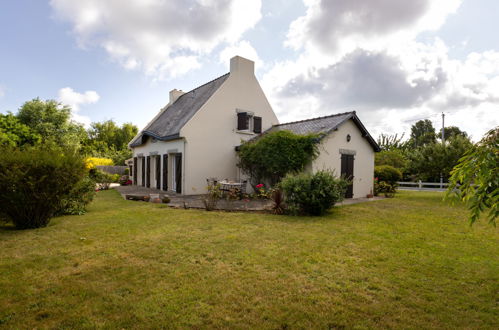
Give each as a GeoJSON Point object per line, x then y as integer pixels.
{"type": "Point", "coordinates": [34, 181]}
{"type": "Point", "coordinates": [80, 196]}
{"type": "Point", "coordinates": [387, 173]}
{"type": "Point", "coordinates": [312, 194]}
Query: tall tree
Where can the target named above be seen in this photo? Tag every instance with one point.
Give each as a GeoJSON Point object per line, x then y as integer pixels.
{"type": "Point", "coordinates": [109, 140]}
{"type": "Point", "coordinates": [452, 131]}
{"type": "Point", "coordinates": [422, 133]}
{"type": "Point", "coordinates": [431, 160]}
{"type": "Point", "coordinates": [14, 133]}
{"type": "Point", "coordinates": [391, 142]}
{"type": "Point", "coordinates": [112, 135]}
{"type": "Point", "coordinates": [52, 121]}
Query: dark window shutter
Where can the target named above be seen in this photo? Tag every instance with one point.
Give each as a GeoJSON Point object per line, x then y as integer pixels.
{"type": "Point", "coordinates": [148, 172]}
{"type": "Point", "coordinates": [143, 181]}
{"type": "Point", "coordinates": [158, 172]}
{"type": "Point", "coordinates": [165, 172]}
{"type": "Point", "coordinates": [134, 173]}
{"type": "Point", "coordinates": [257, 124]}
{"type": "Point", "coordinates": [242, 121]}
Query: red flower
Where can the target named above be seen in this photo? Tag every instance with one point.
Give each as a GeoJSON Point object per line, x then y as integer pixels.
{"type": "Point", "coordinates": [259, 185]}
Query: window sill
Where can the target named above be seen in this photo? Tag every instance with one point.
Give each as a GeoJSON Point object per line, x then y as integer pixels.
{"type": "Point", "coordinates": [245, 132]}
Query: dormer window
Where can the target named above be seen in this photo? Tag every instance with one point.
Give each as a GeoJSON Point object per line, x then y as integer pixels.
{"type": "Point", "coordinates": [247, 122]}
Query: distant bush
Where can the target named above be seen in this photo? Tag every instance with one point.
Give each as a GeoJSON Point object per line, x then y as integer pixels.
{"type": "Point", "coordinates": [103, 179]}
{"type": "Point", "coordinates": [387, 173]}
{"type": "Point", "coordinates": [79, 197]}
{"type": "Point", "coordinates": [34, 181]}
{"type": "Point", "coordinates": [385, 181]}
{"type": "Point", "coordinates": [312, 194]}
{"type": "Point", "coordinates": [394, 157]}
{"type": "Point", "coordinates": [388, 189]}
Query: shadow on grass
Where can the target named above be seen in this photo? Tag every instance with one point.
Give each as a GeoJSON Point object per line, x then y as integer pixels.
{"type": "Point", "coordinates": [7, 227]}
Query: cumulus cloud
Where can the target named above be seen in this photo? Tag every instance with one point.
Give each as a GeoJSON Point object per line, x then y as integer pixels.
{"type": "Point", "coordinates": [162, 38]}
{"type": "Point", "coordinates": [68, 96]}
{"type": "Point", "coordinates": [367, 80]}
{"type": "Point", "coordinates": [242, 48]}
{"type": "Point", "coordinates": [337, 25]}
{"type": "Point", "coordinates": [364, 55]}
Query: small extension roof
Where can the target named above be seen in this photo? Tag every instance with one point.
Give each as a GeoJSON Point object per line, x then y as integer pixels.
{"type": "Point", "coordinates": [166, 126]}
{"type": "Point", "coordinates": [324, 125]}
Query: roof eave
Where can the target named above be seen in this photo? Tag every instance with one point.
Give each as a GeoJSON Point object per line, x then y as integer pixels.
{"type": "Point", "coordinates": [140, 140]}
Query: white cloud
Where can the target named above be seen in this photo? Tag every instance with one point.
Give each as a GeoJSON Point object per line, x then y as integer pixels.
{"type": "Point", "coordinates": [363, 55]}
{"type": "Point", "coordinates": [340, 26]}
{"type": "Point", "coordinates": [68, 96]}
{"type": "Point", "coordinates": [162, 38]}
{"type": "Point", "coordinates": [242, 48]}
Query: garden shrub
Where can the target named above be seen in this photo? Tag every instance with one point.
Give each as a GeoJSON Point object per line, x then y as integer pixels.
{"type": "Point", "coordinates": [213, 196]}
{"type": "Point", "coordinates": [388, 189]}
{"type": "Point", "coordinates": [34, 181]}
{"type": "Point", "coordinates": [312, 194]}
{"type": "Point", "coordinates": [385, 181]}
{"type": "Point", "coordinates": [102, 179]}
{"type": "Point", "coordinates": [387, 173]}
{"type": "Point", "coordinates": [79, 197]}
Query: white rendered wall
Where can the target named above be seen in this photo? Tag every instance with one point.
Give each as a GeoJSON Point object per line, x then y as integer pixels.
{"type": "Point", "coordinates": [161, 147]}
{"type": "Point", "coordinates": [330, 157]}
{"type": "Point", "coordinates": [211, 135]}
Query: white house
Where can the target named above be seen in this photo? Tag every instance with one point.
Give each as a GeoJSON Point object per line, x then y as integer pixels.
{"type": "Point", "coordinates": [194, 137]}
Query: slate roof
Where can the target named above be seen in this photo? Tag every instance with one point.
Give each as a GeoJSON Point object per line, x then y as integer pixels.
{"type": "Point", "coordinates": [166, 126]}
{"type": "Point", "coordinates": [324, 125]}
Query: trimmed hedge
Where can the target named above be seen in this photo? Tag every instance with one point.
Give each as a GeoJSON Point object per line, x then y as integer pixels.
{"type": "Point", "coordinates": [312, 194]}
{"type": "Point", "coordinates": [34, 182]}
{"type": "Point", "coordinates": [387, 173]}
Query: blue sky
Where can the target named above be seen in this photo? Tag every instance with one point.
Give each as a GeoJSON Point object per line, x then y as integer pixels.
{"type": "Point", "coordinates": [392, 63]}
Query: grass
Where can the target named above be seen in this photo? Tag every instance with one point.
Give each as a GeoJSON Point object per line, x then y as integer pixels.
{"type": "Point", "coordinates": [408, 262]}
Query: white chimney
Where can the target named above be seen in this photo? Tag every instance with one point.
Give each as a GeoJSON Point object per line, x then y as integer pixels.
{"type": "Point", "coordinates": [241, 66]}
{"type": "Point", "coordinates": [175, 94]}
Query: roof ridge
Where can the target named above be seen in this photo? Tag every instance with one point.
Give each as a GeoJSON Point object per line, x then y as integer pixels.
{"type": "Point", "coordinates": [206, 83]}
{"type": "Point", "coordinates": [310, 119]}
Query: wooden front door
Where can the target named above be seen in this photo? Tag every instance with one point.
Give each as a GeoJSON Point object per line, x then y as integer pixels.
{"type": "Point", "coordinates": [347, 173]}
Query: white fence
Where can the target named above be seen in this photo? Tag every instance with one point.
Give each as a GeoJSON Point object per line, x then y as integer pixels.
{"type": "Point", "coordinates": [419, 185]}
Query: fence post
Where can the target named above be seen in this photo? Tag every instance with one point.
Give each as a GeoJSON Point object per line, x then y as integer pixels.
{"type": "Point", "coordinates": [441, 182]}
{"type": "Point", "coordinates": [420, 186]}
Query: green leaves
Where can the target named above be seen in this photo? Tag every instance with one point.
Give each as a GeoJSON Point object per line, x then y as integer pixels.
{"type": "Point", "coordinates": [14, 133]}
{"type": "Point", "coordinates": [272, 156]}
{"type": "Point", "coordinates": [34, 180]}
{"type": "Point", "coordinates": [427, 162]}
{"type": "Point", "coordinates": [475, 179]}
{"type": "Point", "coordinates": [312, 194]}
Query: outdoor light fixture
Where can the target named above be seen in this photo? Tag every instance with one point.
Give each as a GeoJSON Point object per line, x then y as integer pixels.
{"type": "Point", "coordinates": [348, 137]}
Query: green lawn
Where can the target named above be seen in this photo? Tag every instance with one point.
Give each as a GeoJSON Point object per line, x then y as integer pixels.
{"type": "Point", "coordinates": [408, 262]}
